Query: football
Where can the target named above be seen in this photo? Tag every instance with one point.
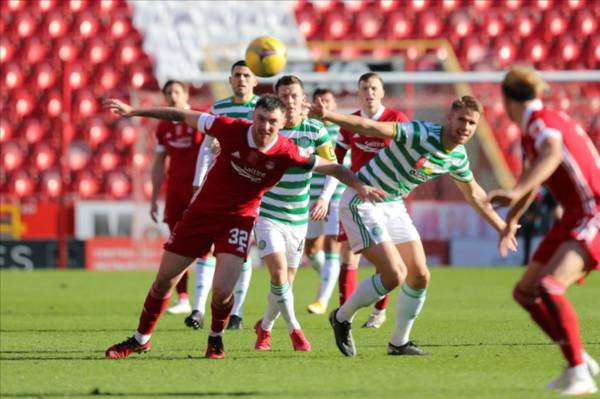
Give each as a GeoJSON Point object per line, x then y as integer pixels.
{"type": "Point", "coordinates": [266, 56]}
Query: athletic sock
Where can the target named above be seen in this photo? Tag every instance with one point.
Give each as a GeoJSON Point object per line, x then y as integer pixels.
{"type": "Point", "coordinates": [205, 271]}
{"type": "Point", "coordinates": [538, 311]}
{"type": "Point", "coordinates": [317, 260]}
{"type": "Point", "coordinates": [368, 292]}
{"type": "Point", "coordinates": [409, 305]}
{"type": "Point", "coordinates": [285, 300]}
{"type": "Point", "coordinates": [329, 276]}
{"type": "Point", "coordinates": [182, 287]}
{"type": "Point", "coordinates": [241, 289]}
{"type": "Point", "coordinates": [347, 281]}
{"type": "Point", "coordinates": [271, 313]}
{"type": "Point", "coordinates": [220, 316]}
{"type": "Point", "coordinates": [381, 305]}
{"type": "Point", "coordinates": [561, 310]}
{"type": "Point", "coordinates": [154, 306]}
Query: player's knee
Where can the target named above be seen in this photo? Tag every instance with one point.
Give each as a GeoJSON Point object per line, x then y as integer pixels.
{"type": "Point", "coordinates": [394, 278]}
{"type": "Point", "coordinates": [161, 289]}
{"type": "Point", "coordinates": [221, 294]}
{"type": "Point", "coordinates": [523, 297]}
{"type": "Point", "coordinates": [420, 278]}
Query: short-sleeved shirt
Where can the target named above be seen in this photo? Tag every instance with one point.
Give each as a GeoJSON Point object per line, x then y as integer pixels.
{"type": "Point", "coordinates": [363, 148]}
{"type": "Point", "coordinates": [288, 201]}
{"type": "Point", "coordinates": [242, 173]}
{"type": "Point", "coordinates": [318, 180]}
{"type": "Point", "coordinates": [180, 143]}
{"type": "Point", "coordinates": [228, 107]}
{"type": "Point", "coordinates": [415, 156]}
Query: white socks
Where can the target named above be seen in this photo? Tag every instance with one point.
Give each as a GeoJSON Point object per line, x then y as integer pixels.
{"type": "Point", "coordinates": [241, 289]}
{"type": "Point", "coordinates": [205, 271]}
{"type": "Point", "coordinates": [329, 276]}
{"type": "Point", "coordinates": [317, 260]}
{"type": "Point", "coordinates": [367, 293]}
{"type": "Point", "coordinates": [141, 339]}
{"type": "Point", "coordinates": [409, 305]}
{"type": "Point", "coordinates": [283, 297]}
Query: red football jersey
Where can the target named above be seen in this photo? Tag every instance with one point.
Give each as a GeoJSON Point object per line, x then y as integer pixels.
{"type": "Point", "coordinates": [363, 148]}
{"type": "Point", "coordinates": [576, 182]}
{"type": "Point", "coordinates": [181, 143]}
{"type": "Point", "coordinates": [241, 174]}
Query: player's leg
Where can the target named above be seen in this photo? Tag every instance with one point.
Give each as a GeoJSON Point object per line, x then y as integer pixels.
{"type": "Point", "coordinates": [172, 266]}
{"type": "Point", "coordinates": [411, 298]}
{"type": "Point", "coordinates": [182, 306]}
{"type": "Point", "coordinates": [348, 277]}
{"type": "Point", "coordinates": [570, 262]}
{"type": "Point", "coordinates": [205, 271]}
{"type": "Point", "coordinates": [239, 296]}
{"type": "Point", "coordinates": [313, 249]}
{"type": "Point", "coordinates": [328, 276]}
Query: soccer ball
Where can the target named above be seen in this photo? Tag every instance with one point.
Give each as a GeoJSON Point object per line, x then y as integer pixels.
{"type": "Point", "coordinates": [266, 56]}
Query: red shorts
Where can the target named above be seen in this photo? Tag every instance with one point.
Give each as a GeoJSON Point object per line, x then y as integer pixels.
{"type": "Point", "coordinates": [196, 232]}
{"type": "Point", "coordinates": [175, 206]}
{"type": "Point", "coordinates": [584, 230]}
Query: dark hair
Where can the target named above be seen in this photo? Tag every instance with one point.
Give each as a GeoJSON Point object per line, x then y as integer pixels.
{"type": "Point", "coordinates": [288, 80]}
{"type": "Point", "coordinates": [240, 63]}
{"type": "Point", "coordinates": [270, 102]}
{"type": "Point", "coordinates": [467, 102]}
{"type": "Point", "coordinates": [366, 76]}
{"type": "Point", "coordinates": [523, 83]}
{"type": "Point", "coordinates": [321, 92]}
{"type": "Point", "coordinates": [171, 82]}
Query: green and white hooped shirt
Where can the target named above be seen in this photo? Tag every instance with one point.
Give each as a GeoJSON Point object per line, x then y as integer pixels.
{"type": "Point", "coordinates": [229, 108]}
{"type": "Point", "coordinates": [415, 156]}
{"type": "Point", "coordinates": [288, 201]}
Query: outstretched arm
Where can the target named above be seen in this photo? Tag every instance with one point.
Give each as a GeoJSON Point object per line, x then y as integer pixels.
{"type": "Point", "coordinates": [346, 176]}
{"type": "Point", "coordinates": [120, 108]}
{"type": "Point", "coordinates": [353, 123]}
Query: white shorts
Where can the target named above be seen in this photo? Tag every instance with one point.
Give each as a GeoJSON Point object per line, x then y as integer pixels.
{"type": "Point", "coordinates": [272, 236]}
{"type": "Point", "coordinates": [369, 224]}
{"type": "Point", "coordinates": [329, 226]}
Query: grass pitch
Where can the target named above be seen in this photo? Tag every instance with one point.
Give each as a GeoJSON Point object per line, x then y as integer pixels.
{"type": "Point", "coordinates": [55, 327]}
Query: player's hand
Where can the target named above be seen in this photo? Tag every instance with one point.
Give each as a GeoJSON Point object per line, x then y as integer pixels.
{"type": "Point", "coordinates": [316, 110]}
{"type": "Point", "coordinates": [318, 210]}
{"type": "Point", "coordinates": [118, 107]}
{"type": "Point", "coordinates": [371, 194]}
{"type": "Point", "coordinates": [154, 211]}
{"type": "Point", "coordinates": [508, 239]}
{"type": "Point", "coordinates": [502, 198]}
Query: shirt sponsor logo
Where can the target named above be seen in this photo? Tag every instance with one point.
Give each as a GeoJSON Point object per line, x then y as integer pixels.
{"type": "Point", "coordinates": [370, 146]}
{"type": "Point", "coordinates": [254, 175]}
{"type": "Point", "coordinates": [236, 154]}
{"type": "Point", "coordinates": [270, 165]}
{"type": "Point", "coordinates": [422, 169]}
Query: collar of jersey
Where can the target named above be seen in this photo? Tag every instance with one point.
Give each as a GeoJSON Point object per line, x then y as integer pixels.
{"type": "Point", "coordinates": [252, 144]}
{"type": "Point", "coordinates": [534, 105]}
{"type": "Point", "coordinates": [376, 115]}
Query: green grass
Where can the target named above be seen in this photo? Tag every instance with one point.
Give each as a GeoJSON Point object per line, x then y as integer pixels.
{"type": "Point", "coordinates": [55, 327]}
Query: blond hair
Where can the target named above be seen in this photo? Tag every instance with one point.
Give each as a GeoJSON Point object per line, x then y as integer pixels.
{"type": "Point", "coordinates": [523, 83]}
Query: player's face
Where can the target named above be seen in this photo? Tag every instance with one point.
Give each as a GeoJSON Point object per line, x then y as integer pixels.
{"type": "Point", "coordinates": [293, 97]}
{"type": "Point", "coordinates": [511, 109]}
{"type": "Point", "coordinates": [176, 96]}
{"type": "Point", "coordinates": [328, 101]}
{"type": "Point", "coordinates": [242, 81]}
{"type": "Point", "coordinates": [266, 125]}
{"type": "Point", "coordinates": [460, 126]}
{"type": "Point", "coordinates": [370, 94]}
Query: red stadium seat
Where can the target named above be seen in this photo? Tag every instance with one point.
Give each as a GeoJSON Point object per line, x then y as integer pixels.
{"type": "Point", "coordinates": [139, 77]}
{"type": "Point", "coordinates": [473, 50]}
{"type": "Point", "coordinates": [6, 130]}
{"type": "Point", "coordinates": [524, 24]}
{"type": "Point", "coordinates": [430, 24]}
{"type": "Point", "coordinates": [337, 26]}
{"type": "Point", "coordinates": [78, 77]}
{"type": "Point", "coordinates": [47, 5]}
{"type": "Point", "coordinates": [107, 158]}
{"type": "Point", "coordinates": [97, 132]}
{"type": "Point", "coordinates": [584, 23]}
{"type": "Point", "coordinates": [7, 50]}
{"type": "Point", "coordinates": [460, 24]}
{"type": "Point", "coordinates": [355, 6]}
{"type": "Point", "coordinates": [554, 24]}
{"type": "Point", "coordinates": [25, 24]}
{"type": "Point", "coordinates": [576, 4]}
{"type": "Point", "coordinates": [399, 25]}
{"type": "Point", "coordinates": [23, 103]}
{"type": "Point", "coordinates": [76, 6]}
{"type": "Point", "coordinates": [13, 76]}
{"type": "Point", "coordinates": [119, 27]}
{"type": "Point", "coordinates": [87, 25]}
{"type": "Point", "coordinates": [544, 4]}
{"type": "Point", "coordinates": [535, 49]}
{"type": "Point", "coordinates": [106, 78]}
{"type": "Point", "coordinates": [118, 184]}
{"type": "Point", "coordinates": [22, 184]}
{"type": "Point", "coordinates": [35, 50]}
{"type": "Point", "coordinates": [369, 24]}
{"type": "Point", "coordinates": [79, 155]}
{"type": "Point", "coordinates": [513, 4]}
{"type": "Point", "coordinates": [110, 5]}
{"type": "Point", "coordinates": [494, 24]}
{"type": "Point", "coordinates": [388, 5]}
{"type": "Point", "coordinates": [51, 184]}
{"type": "Point", "coordinates": [323, 5]}
{"type": "Point", "coordinates": [308, 23]}
{"type": "Point", "coordinates": [66, 49]}
{"type": "Point", "coordinates": [33, 130]}
{"type": "Point", "coordinates": [128, 53]}
{"type": "Point", "coordinates": [567, 49]}
{"type": "Point", "coordinates": [44, 76]}
{"type": "Point", "coordinates": [126, 132]}
{"type": "Point", "coordinates": [13, 156]}
{"type": "Point", "coordinates": [87, 185]}
{"type": "Point", "coordinates": [15, 5]}
{"type": "Point", "coordinates": [505, 50]}
{"type": "Point", "coordinates": [44, 157]}
{"type": "Point", "coordinates": [482, 5]}
{"type": "Point", "coordinates": [56, 24]}
{"type": "Point", "coordinates": [86, 104]}
{"type": "Point", "coordinates": [419, 5]}
{"type": "Point", "coordinates": [98, 51]}
{"type": "Point", "coordinates": [52, 104]}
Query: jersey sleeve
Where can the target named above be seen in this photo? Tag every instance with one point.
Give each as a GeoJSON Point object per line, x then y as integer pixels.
{"type": "Point", "coordinates": [220, 127]}
{"type": "Point", "coordinates": [539, 131]}
{"type": "Point", "coordinates": [301, 158]}
{"type": "Point", "coordinates": [324, 146]}
{"type": "Point", "coordinates": [343, 139]}
{"type": "Point", "coordinates": [403, 132]}
{"type": "Point", "coordinates": [462, 170]}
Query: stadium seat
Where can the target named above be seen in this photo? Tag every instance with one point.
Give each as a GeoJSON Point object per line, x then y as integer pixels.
{"type": "Point", "coordinates": [52, 103]}
{"type": "Point", "coordinates": [51, 184]}
{"type": "Point", "coordinates": [399, 25]}
{"type": "Point", "coordinates": [107, 158]}
{"type": "Point", "coordinates": [98, 51]}
{"type": "Point", "coordinates": [44, 76]}
{"type": "Point", "coordinates": [85, 105]}
{"type": "Point", "coordinates": [127, 53]}
{"type": "Point", "coordinates": [118, 184]}
{"type": "Point", "coordinates": [23, 103]}
{"type": "Point", "coordinates": [494, 24]}
{"type": "Point", "coordinates": [46, 5]}
{"type": "Point", "coordinates": [14, 76]}
{"type": "Point", "coordinates": [78, 77]}
{"type": "Point", "coordinates": [22, 184]}
{"type": "Point", "coordinates": [308, 24]}
{"type": "Point", "coordinates": [79, 155]}
{"type": "Point", "coordinates": [106, 79]}
{"type": "Point", "coordinates": [460, 24]}
{"type": "Point", "coordinates": [14, 5]}
{"type": "Point", "coordinates": [25, 24]}
{"type": "Point", "coordinates": [369, 24]}
{"type": "Point", "coordinates": [336, 26]}
{"type": "Point", "coordinates": [7, 50]}
{"type": "Point", "coordinates": [76, 6]}
{"type": "Point", "coordinates": [584, 23]}
{"type": "Point", "coordinates": [87, 25]}
{"type": "Point", "coordinates": [96, 132]}
{"type": "Point", "coordinates": [505, 50]}
{"type": "Point", "coordinates": [567, 49]}
{"type": "Point", "coordinates": [524, 24]}
{"type": "Point", "coordinates": [119, 27]}
{"type": "Point", "coordinates": [13, 156]}
{"type": "Point", "coordinates": [44, 156]}
{"type": "Point", "coordinates": [430, 24]}
{"type": "Point", "coordinates": [55, 25]}
{"type": "Point", "coordinates": [6, 130]}
{"type": "Point", "coordinates": [535, 49]}
{"type": "Point", "coordinates": [33, 130]}
{"type": "Point", "coordinates": [66, 49]}
{"type": "Point", "coordinates": [126, 132]}
{"type": "Point", "coordinates": [554, 24]}
{"type": "Point", "coordinates": [87, 185]}
{"type": "Point", "coordinates": [140, 77]}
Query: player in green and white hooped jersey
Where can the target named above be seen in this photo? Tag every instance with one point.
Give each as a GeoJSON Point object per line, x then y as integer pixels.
{"type": "Point", "coordinates": [284, 212]}
{"type": "Point", "coordinates": [322, 247]}
{"type": "Point", "coordinates": [240, 105]}
{"type": "Point", "coordinates": [383, 232]}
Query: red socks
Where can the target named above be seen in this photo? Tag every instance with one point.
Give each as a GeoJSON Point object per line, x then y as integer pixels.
{"type": "Point", "coordinates": [346, 282]}
{"type": "Point", "coordinates": [562, 312]}
{"type": "Point", "coordinates": [382, 303]}
{"type": "Point", "coordinates": [220, 315]}
{"type": "Point", "coordinates": [154, 306]}
{"type": "Point", "coordinates": [538, 311]}
{"type": "Point", "coordinates": [181, 286]}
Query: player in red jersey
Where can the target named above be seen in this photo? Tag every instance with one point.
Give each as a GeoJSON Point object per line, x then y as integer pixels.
{"type": "Point", "coordinates": [253, 158]}
{"type": "Point", "coordinates": [179, 143]}
{"type": "Point", "coordinates": [362, 149]}
{"type": "Point", "coordinates": [562, 157]}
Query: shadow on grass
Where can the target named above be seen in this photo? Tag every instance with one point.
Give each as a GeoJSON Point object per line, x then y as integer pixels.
{"type": "Point", "coordinates": [97, 392]}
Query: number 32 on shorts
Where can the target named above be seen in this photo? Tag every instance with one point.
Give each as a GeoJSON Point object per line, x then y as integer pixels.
{"type": "Point", "coordinates": [240, 238]}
